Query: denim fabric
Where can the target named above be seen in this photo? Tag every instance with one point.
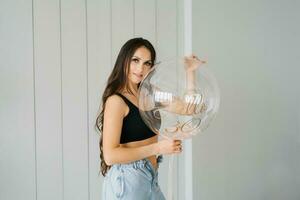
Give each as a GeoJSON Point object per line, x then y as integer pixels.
{"type": "Point", "coordinates": [133, 181]}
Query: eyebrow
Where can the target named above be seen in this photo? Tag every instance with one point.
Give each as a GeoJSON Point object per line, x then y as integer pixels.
{"type": "Point", "coordinates": [141, 59]}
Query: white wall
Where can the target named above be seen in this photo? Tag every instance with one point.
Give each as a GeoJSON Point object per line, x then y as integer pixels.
{"type": "Point", "coordinates": [55, 58]}
{"type": "Point", "coordinates": [17, 132]}
{"type": "Point", "coordinates": [252, 149]}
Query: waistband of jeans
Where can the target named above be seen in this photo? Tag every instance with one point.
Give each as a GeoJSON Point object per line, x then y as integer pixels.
{"type": "Point", "coordinates": [140, 163]}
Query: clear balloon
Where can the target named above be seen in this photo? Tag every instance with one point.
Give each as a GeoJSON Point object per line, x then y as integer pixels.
{"type": "Point", "coordinates": [180, 106]}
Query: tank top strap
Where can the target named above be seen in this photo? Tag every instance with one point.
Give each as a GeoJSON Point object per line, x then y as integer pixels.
{"type": "Point", "coordinates": [129, 103]}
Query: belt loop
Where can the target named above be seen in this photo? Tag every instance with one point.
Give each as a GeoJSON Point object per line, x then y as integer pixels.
{"type": "Point", "coordinates": [159, 159]}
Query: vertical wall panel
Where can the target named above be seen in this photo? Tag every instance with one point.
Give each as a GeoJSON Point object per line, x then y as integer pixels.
{"type": "Point", "coordinates": [180, 186]}
{"type": "Point", "coordinates": [99, 67]}
{"type": "Point", "coordinates": [122, 24]}
{"type": "Point", "coordinates": [166, 29]}
{"type": "Point", "coordinates": [167, 49]}
{"type": "Point", "coordinates": [74, 99]}
{"type": "Point", "coordinates": [145, 20]}
{"type": "Point", "coordinates": [48, 99]}
{"type": "Point", "coordinates": [17, 117]}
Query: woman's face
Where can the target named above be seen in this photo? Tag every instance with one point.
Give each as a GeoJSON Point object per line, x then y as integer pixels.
{"type": "Point", "coordinates": [140, 65]}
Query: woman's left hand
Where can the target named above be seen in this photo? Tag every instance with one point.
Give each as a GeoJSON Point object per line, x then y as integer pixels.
{"type": "Point", "coordinates": [192, 62]}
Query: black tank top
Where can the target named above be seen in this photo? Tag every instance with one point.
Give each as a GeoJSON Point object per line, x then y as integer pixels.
{"type": "Point", "coordinates": [134, 128]}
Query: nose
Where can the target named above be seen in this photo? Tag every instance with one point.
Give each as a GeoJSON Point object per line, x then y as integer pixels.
{"type": "Point", "coordinates": [140, 68]}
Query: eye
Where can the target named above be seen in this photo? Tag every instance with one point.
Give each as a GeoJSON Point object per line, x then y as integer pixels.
{"type": "Point", "coordinates": [135, 60]}
{"type": "Point", "coordinates": [148, 64]}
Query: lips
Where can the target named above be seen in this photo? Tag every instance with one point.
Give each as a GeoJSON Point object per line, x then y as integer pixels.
{"type": "Point", "coordinates": [138, 75]}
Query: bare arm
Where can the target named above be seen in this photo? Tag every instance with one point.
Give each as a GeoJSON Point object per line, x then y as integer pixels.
{"type": "Point", "coordinates": [188, 105]}
{"type": "Point", "coordinates": [191, 64]}
{"type": "Point", "coordinates": [114, 113]}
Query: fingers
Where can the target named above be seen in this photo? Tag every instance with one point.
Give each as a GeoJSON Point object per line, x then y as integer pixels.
{"type": "Point", "coordinates": [177, 147]}
{"type": "Point", "coordinates": [194, 57]}
{"type": "Point", "coordinates": [177, 142]}
{"type": "Point", "coordinates": [170, 146]}
{"type": "Point", "coordinates": [178, 150]}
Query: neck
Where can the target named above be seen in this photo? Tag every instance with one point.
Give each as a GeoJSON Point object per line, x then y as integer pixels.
{"type": "Point", "coordinates": [132, 88]}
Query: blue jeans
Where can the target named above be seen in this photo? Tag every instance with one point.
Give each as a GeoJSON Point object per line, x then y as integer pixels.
{"type": "Point", "coordinates": [137, 180]}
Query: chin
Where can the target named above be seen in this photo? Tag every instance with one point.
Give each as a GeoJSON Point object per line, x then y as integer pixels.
{"type": "Point", "coordinates": [137, 82]}
{"type": "Point", "coordinates": [134, 82]}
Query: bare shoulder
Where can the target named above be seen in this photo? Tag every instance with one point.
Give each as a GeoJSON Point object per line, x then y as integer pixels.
{"type": "Point", "coordinates": [115, 103]}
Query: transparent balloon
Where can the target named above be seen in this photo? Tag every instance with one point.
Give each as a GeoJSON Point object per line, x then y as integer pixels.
{"type": "Point", "coordinates": [179, 98]}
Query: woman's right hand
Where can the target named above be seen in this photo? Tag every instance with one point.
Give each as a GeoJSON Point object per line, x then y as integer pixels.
{"type": "Point", "coordinates": [166, 146]}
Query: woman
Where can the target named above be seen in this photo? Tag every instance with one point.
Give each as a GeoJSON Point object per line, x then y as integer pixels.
{"type": "Point", "coordinates": [130, 152]}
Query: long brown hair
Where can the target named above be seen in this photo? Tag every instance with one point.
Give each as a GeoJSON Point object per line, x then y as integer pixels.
{"type": "Point", "coordinates": [117, 81]}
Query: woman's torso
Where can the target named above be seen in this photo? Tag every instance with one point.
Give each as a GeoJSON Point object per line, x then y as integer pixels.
{"type": "Point", "coordinates": [139, 143]}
